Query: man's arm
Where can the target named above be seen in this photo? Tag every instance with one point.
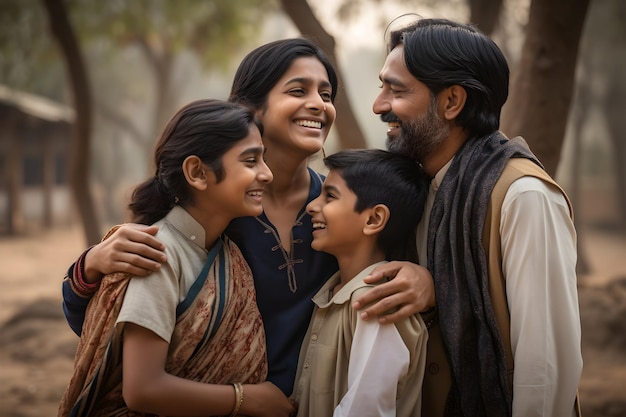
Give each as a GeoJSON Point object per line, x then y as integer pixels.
{"type": "Point", "coordinates": [131, 248]}
{"type": "Point", "coordinates": [410, 290]}
{"type": "Point", "coordinates": [539, 263]}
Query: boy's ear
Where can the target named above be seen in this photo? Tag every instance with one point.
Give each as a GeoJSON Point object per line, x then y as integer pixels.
{"type": "Point", "coordinates": [451, 101]}
{"type": "Point", "coordinates": [377, 219]}
{"type": "Point", "coordinates": [195, 172]}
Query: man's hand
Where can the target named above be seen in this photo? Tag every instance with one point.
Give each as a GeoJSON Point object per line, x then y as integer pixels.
{"type": "Point", "coordinates": [132, 248]}
{"type": "Point", "coordinates": [410, 290]}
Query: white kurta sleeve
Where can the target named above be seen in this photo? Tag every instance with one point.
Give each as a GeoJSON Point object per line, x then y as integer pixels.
{"type": "Point", "coordinates": [539, 264]}
{"type": "Point", "coordinates": [378, 359]}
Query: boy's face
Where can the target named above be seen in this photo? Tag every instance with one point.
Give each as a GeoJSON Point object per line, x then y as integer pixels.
{"type": "Point", "coordinates": [337, 227]}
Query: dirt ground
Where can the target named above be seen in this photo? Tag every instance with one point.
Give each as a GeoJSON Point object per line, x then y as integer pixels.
{"type": "Point", "coordinates": [37, 347]}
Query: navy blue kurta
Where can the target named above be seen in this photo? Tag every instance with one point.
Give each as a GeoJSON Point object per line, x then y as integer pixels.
{"type": "Point", "coordinates": [285, 282]}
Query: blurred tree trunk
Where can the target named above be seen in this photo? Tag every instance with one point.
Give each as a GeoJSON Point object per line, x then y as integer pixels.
{"type": "Point", "coordinates": [579, 111]}
{"type": "Point", "coordinates": [543, 82]}
{"type": "Point", "coordinates": [80, 158]}
{"type": "Point", "coordinates": [13, 176]}
{"type": "Point", "coordinates": [48, 157]}
{"type": "Point", "coordinates": [161, 61]}
{"type": "Point", "coordinates": [614, 105]}
{"type": "Point", "coordinates": [348, 128]}
{"type": "Point", "coordinates": [485, 14]}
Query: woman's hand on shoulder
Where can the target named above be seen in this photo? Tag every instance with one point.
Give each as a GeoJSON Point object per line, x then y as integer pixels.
{"type": "Point", "coordinates": [265, 400]}
{"type": "Point", "coordinates": [132, 248]}
{"type": "Point", "coordinates": [410, 290]}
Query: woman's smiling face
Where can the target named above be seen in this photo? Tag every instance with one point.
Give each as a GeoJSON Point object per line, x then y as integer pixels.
{"type": "Point", "coordinates": [299, 113]}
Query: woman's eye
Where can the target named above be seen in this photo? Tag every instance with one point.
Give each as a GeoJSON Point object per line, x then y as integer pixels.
{"type": "Point", "coordinates": [326, 96]}
{"type": "Point", "coordinates": [297, 91]}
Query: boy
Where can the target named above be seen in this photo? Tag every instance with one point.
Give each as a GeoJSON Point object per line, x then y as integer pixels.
{"type": "Point", "coordinates": [367, 214]}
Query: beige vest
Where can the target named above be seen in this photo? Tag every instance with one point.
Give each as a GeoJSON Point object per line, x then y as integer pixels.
{"type": "Point", "coordinates": [437, 380]}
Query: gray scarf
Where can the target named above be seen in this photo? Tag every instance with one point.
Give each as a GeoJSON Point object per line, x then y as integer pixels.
{"type": "Point", "coordinates": [458, 263]}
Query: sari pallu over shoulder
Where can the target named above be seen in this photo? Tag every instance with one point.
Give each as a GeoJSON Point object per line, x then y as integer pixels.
{"type": "Point", "coordinates": [218, 337]}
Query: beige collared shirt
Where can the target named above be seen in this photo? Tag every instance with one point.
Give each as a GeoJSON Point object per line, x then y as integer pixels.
{"type": "Point", "coordinates": [151, 301]}
{"type": "Point", "coordinates": [349, 367]}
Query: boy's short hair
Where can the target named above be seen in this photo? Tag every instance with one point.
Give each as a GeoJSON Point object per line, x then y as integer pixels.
{"type": "Point", "coordinates": [381, 177]}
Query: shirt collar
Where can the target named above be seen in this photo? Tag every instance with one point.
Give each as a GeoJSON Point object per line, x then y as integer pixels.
{"type": "Point", "coordinates": [187, 225]}
{"type": "Point", "coordinates": [438, 178]}
{"type": "Point", "coordinates": [323, 297]}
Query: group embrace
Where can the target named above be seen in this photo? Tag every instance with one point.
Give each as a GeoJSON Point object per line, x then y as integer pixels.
{"type": "Point", "coordinates": [434, 278]}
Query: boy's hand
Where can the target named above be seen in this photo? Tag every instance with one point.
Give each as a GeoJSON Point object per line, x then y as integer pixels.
{"type": "Point", "coordinates": [132, 248]}
{"type": "Point", "coordinates": [410, 290]}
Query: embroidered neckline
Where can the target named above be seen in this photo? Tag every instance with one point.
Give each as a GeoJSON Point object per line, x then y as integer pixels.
{"type": "Point", "coordinates": [287, 256]}
{"type": "Point", "coordinates": [290, 262]}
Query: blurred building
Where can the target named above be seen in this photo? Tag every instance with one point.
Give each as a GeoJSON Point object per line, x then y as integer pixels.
{"type": "Point", "coordinates": [35, 135]}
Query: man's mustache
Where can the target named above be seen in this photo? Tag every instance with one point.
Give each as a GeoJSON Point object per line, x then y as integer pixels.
{"type": "Point", "coordinates": [389, 117]}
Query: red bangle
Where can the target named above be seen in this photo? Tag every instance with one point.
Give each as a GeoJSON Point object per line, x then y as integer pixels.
{"type": "Point", "coordinates": [77, 282]}
{"type": "Point", "coordinates": [79, 272]}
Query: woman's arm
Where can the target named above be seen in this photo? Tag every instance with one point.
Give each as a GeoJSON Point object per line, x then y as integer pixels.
{"type": "Point", "coordinates": [148, 388]}
{"type": "Point", "coordinates": [132, 248]}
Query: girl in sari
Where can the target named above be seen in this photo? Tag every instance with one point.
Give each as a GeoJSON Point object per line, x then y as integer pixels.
{"type": "Point", "coordinates": [185, 339]}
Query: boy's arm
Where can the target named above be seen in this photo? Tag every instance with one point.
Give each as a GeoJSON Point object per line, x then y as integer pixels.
{"type": "Point", "coordinates": [131, 248]}
{"type": "Point", "coordinates": [378, 359]}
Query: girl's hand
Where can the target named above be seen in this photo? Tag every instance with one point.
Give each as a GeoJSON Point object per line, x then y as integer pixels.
{"type": "Point", "coordinates": [410, 290]}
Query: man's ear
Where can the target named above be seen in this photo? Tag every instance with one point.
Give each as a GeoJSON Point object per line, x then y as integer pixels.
{"type": "Point", "coordinates": [195, 172]}
{"type": "Point", "coordinates": [377, 218]}
{"type": "Point", "coordinates": [451, 101]}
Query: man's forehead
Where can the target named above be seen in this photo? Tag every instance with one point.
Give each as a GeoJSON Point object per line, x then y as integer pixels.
{"type": "Point", "coordinates": [394, 57]}
{"type": "Point", "coordinates": [394, 66]}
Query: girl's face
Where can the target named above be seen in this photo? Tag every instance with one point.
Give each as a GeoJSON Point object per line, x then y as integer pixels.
{"type": "Point", "coordinates": [299, 113]}
{"type": "Point", "coordinates": [245, 175]}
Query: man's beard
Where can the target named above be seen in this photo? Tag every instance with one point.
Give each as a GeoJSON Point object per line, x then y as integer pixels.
{"type": "Point", "coordinates": [421, 136]}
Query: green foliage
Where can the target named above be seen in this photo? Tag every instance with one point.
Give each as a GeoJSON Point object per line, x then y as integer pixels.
{"type": "Point", "coordinates": [28, 57]}
{"type": "Point", "coordinates": [211, 29]}
{"type": "Point", "coordinates": [214, 30]}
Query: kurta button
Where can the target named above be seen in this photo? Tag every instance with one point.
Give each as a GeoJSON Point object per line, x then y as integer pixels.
{"type": "Point", "coordinates": [433, 368]}
{"type": "Point", "coordinates": [306, 365]}
{"type": "Point", "coordinates": [314, 338]}
{"type": "Point", "coordinates": [192, 237]}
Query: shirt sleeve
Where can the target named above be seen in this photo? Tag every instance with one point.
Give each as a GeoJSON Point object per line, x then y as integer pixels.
{"type": "Point", "coordinates": [539, 264]}
{"type": "Point", "coordinates": [74, 306]}
{"type": "Point", "coordinates": [151, 301]}
{"type": "Point", "coordinates": [378, 359]}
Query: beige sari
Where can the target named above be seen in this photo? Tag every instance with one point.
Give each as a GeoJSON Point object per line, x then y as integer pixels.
{"type": "Point", "coordinates": [218, 337]}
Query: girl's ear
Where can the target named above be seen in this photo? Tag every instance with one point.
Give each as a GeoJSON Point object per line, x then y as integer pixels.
{"type": "Point", "coordinates": [377, 219]}
{"type": "Point", "coordinates": [195, 172]}
{"type": "Point", "coordinates": [451, 101]}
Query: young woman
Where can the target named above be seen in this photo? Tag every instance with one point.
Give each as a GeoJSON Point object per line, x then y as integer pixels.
{"type": "Point", "coordinates": [291, 85]}
{"type": "Point", "coordinates": [183, 340]}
